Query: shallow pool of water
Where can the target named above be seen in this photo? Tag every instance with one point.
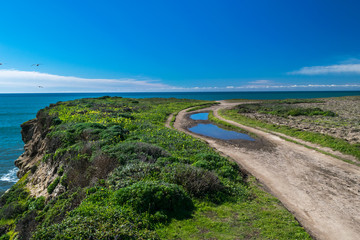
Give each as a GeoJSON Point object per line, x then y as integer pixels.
{"type": "Point", "coordinates": [214, 131]}
{"type": "Point", "coordinates": [200, 116]}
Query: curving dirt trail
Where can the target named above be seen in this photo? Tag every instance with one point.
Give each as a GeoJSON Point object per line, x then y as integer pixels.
{"type": "Point", "coordinates": [322, 192]}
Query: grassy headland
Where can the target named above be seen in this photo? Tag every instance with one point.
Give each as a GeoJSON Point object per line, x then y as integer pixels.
{"type": "Point", "coordinates": [119, 173]}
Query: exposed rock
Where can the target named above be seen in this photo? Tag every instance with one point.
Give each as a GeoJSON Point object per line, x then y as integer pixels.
{"type": "Point", "coordinates": [36, 143]}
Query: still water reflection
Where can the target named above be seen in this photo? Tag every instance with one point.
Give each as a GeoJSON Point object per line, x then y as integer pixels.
{"type": "Point", "coordinates": [214, 131]}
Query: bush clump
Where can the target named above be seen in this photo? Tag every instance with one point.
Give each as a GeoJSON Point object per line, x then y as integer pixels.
{"type": "Point", "coordinates": [198, 182]}
{"type": "Point", "coordinates": [154, 196]}
{"type": "Point", "coordinates": [69, 134]}
{"type": "Point", "coordinates": [129, 174]}
{"type": "Point", "coordinates": [37, 204]}
{"type": "Point", "coordinates": [11, 210]}
{"type": "Point", "coordinates": [53, 185]}
{"type": "Point", "coordinates": [219, 164]}
{"type": "Point", "coordinates": [126, 152]}
{"type": "Point", "coordinates": [100, 223]}
{"type": "Point", "coordinates": [5, 237]}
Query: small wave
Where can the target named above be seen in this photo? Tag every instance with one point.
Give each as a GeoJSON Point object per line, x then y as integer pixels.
{"type": "Point", "coordinates": [10, 176]}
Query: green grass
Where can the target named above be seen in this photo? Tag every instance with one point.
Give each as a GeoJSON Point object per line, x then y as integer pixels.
{"type": "Point", "coordinates": [172, 121]}
{"type": "Point", "coordinates": [296, 101]}
{"type": "Point", "coordinates": [283, 109]}
{"type": "Point", "coordinates": [241, 100]}
{"type": "Point", "coordinates": [263, 217]}
{"type": "Point", "coordinates": [53, 185]}
{"type": "Point", "coordinates": [336, 144]}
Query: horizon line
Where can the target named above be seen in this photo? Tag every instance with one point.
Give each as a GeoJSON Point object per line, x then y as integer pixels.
{"type": "Point", "coordinates": [249, 91]}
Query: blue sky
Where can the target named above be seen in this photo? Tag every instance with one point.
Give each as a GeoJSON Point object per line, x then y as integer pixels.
{"type": "Point", "coordinates": [120, 46]}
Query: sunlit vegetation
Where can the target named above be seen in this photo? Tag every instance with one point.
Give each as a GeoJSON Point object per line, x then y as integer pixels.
{"type": "Point", "coordinates": [125, 175]}
{"type": "Point", "coordinates": [283, 108]}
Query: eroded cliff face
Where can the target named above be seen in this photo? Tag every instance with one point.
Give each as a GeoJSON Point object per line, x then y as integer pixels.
{"type": "Point", "coordinates": [42, 174]}
{"type": "Point", "coordinates": [53, 167]}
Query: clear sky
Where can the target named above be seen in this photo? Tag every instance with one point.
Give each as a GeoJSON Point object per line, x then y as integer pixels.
{"type": "Point", "coordinates": [170, 45]}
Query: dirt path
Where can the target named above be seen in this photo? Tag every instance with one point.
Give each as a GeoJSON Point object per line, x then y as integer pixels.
{"type": "Point", "coordinates": [321, 191]}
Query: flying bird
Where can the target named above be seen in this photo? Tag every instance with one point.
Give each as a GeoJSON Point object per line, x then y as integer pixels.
{"type": "Point", "coordinates": [40, 87]}
{"type": "Point", "coordinates": [36, 64]}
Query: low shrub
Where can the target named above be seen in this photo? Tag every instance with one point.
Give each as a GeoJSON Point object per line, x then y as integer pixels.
{"type": "Point", "coordinates": [136, 151]}
{"type": "Point", "coordinates": [57, 208]}
{"type": "Point", "coordinates": [12, 209]}
{"type": "Point", "coordinates": [37, 204]}
{"type": "Point", "coordinates": [114, 133]}
{"type": "Point", "coordinates": [4, 237]}
{"type": "Point", "coordinates": [126, 175]}
{"type": "Point", "coordinates": [149, 196]}
{"type": "Point", "coordinates": [53, 185]}
{"type": "Point", "coordinates": [16, 193]}
{"type": "Point", "coordinates": [198, 182]}
{"type": "Point", "coordinates": [26, 224]}
{"type": "Point", "coordinates": [219, 164]}
{"type": "Point", "coordinates": [97, 222]}
{"type": "Point", "coordinates": [61, 170]}
{"type": "Point", "coordinates": [63, 181]}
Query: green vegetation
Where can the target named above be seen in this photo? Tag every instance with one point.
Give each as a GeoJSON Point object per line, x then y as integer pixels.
{"type": "Point", "coordinates": [282, 108]}
{"type": "Point", "coordinates": [241, 100]}
{"type": "Point", "coordinates": [172, 121]}
{"type": "Point", "coordinates": [260, 218]}
{"type": "Point", "coordinates": [124, 175]}
{"type": "Point", "coordinates": [318, 138]}
{"type": "Point", "coordinates": [53, 185]}
{"type": "Point", "coordinates": [296, 101]}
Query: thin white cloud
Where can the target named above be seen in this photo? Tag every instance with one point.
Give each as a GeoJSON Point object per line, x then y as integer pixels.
{"type": "Point", "coordinates": [331, 69]}
{"type": "Point", "coordinates": [273, 87]}
{"type": "Point", "coordinates": [317, 86]}
{"type": "Point", "coordinates": [261, 82]}
{"type": "Point", "coordinates": [29, 81]}
{"type": "Point", "coordinates": [351, 61]}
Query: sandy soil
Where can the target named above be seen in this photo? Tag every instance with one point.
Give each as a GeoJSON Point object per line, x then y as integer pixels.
{"type": "Point", "coordinates": [322, 192]}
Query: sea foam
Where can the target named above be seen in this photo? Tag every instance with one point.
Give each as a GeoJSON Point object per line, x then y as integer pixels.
{"type": "Point", "coordinates": [10, 176]}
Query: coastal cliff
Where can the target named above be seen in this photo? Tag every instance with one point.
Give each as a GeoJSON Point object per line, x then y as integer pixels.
{"type": "Point", "coordinates": [33, 134]}
{"type": "Point", "coordinates": [47, 161]}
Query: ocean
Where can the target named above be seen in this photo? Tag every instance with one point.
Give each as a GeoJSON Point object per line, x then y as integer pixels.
{"type": "Point", "coordinates": [18, 108]}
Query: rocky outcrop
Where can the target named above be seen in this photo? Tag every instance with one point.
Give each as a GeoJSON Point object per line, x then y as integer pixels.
{"type": "Point", "coordinates": [52, 167]}
{"type": "Point", "coordinates": [34, 134]}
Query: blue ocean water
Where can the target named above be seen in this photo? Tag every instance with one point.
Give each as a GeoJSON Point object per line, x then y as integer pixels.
{"type": "Point", "coordinates": [18, 108]}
